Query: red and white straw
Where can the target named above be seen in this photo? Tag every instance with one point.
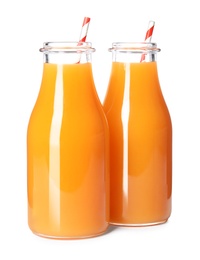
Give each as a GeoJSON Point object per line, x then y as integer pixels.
{"type": "Point", "coordinates": [84, 29]}
{"type": "Point", "coordinates": [148, 36]}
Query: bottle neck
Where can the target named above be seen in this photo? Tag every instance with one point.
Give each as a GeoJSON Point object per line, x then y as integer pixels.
{"type": "Point", "coordinates": [133, 57]}
{"type": "Point", "coordinates": [67, 58]}
{"type": "Point", "coordinates": [67, 52]}
{"type": "Point", "coordinates": [129, 52]}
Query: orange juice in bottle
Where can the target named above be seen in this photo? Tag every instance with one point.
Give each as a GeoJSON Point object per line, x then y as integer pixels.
{"type": "Point", "coordinates": [140, 138]}
{"type": "Point", "coordinates": [67, 148]}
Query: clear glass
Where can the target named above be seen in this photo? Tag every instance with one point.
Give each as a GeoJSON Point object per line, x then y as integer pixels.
{"type": "Point", "coordinates": [67, 148]}
{"type": "Point", "coordinates": [67, 52]}
{"type": "Point", "coordinates": [132, 52]}
{"type": "Point", "coordinates": [140, 138]}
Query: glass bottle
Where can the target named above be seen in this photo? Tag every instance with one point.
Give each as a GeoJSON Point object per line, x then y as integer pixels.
{"type": "Point", "coordinates": [140, 138]}
{"type": "Point", "coordinates": [67, 148]}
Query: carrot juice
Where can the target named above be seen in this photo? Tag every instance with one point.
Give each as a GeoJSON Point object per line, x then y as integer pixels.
{"type": "Point", "coordinates": [140, 144]}
{"type": "Point", "coordinates": [67, 153]}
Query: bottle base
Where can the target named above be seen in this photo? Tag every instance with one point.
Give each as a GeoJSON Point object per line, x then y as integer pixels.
{"type": "Point", "coordinates": [57, 237]}
{"type": "Point", "coordinates": [139, 224]}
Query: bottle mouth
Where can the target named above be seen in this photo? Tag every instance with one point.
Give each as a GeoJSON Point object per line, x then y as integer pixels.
{"type": "Point", "coordinates": [67, 47]}
{"type": "Point", "coordinates": [134, 47]}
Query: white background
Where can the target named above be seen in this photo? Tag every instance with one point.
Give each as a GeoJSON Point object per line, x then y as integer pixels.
{"type": "Point", "coordinates": [24, 26]}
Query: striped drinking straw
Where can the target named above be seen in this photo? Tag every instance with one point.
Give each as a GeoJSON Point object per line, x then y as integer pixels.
{"type": "Point", "coordinates": [148, 36]}
{"type": "Point", "coordinates": [84, 30]}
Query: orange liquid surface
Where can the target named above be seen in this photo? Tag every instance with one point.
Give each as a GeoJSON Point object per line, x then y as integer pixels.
{"type": "Point", "coordinates": [67, 156]}
{"type": "Point", "coordinates": [140, 146]}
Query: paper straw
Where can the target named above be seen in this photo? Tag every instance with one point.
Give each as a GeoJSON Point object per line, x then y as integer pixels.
{"type": "Point", "coordinates": [84, 30]}
{"type": "Point", "coordinates": [148, 36]}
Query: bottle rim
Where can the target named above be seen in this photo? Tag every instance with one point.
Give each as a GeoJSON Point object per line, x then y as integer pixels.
{"type": "Point", "coordinates": [134, 47]}
{"type": "Point", "coordinates": [67, 47]}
